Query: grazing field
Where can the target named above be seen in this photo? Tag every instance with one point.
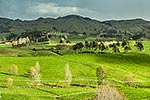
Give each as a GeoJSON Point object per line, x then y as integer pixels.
{"type": "Point", "coordinates": [83, 68]}
{"type": "Point", "coordinates": [121, 68]}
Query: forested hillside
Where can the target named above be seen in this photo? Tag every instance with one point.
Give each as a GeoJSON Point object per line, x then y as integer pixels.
{"type": "Point", "coordinates": [78, 25]}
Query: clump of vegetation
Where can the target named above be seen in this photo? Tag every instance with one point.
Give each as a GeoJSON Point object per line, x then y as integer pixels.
{"type": "Point", "coordinates": [128, 79]}
{"type": "Point", "coordinates": [114, 47]}
{"type": "Point", "coordinates": [13, 69]}
{"type": "Point", "coordinates": [126, 45]}
{"type": "Point", "coordinates": [139, 45]}
{"type": "Point", "coordinates": [100, 73]}
{"type": "Point", "coordinates": [78, 46]}
{"type": "Point", "coordinates": [68, 74]}
{"type": "Point", "coordinates": [35, 74]}
{"type": "Point", "coordinates": [9, 82]}
{"type": "Point", "coordinates": [107, 92]}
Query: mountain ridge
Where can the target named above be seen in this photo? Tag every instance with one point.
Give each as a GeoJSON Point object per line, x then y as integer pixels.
{"type": "Point", "coordinates": [75, 24]}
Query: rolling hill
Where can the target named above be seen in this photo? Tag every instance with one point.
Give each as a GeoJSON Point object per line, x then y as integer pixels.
{"type": "Point", "coordinates": [74, 24]}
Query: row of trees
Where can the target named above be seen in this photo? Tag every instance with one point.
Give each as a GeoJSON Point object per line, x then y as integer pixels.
{"type": "Point", "coordinates": [94, 45]}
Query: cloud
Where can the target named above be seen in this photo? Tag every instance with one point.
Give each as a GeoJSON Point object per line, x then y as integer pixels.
{"type": "Point", "coordinates": [53, 9]}
{"type": "Point", "coordinates": [97, 9]}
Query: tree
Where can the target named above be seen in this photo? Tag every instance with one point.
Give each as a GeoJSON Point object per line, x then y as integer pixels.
{"type": "Point", "coordinates": [11, 36]}
{"type": "Point", "coordinates": [139, 45]}
{"type": "Point", "coordinates": [127, 48]}
{"type": "Point", "coordinates": [86, 44]}
{"type": "Point", "coordinates": [54, 29]}
{"type": "Point", "coordinates": [13, 69]}
{"type": "Point", "coordinates": [114, 47]}
{"type": "Point", "coordinates": [102, 46]}
{"type": "Point", "coordinates": [100, 73]}
{"type": "Point", "coordinates": [78, 46]}
{"type": "Point", "coordinates": [95, 45]}
{"type": "Point", "coordinates": [129, 80]}
{"type": "Point", "coordinates": [35, 74]}
{"type": "Point", "coordinates": [126, 45]}
{"type": "Point", "coordinates": [68, 74]}
{"type": "Point", "coordinates": [9, 82]}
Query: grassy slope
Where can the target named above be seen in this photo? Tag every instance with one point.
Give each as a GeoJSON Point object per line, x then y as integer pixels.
{"type": "Point", "coordinates": [83, 67]}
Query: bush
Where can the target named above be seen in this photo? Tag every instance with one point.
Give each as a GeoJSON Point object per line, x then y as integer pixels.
{"type": "Point", "coordinates": [68, 74]}
{"type": "Point", "coordinates": [107, 92]}
{"type": "Point", "coordinates": [9, 82]}
{"type": "Point", "coordinates": [128, 79]}
{"type": "Point", "coordinates": [13, 69]}
{"type": "Point", "coordinates": [35, 74]}
{"type": "Point", "coordinates": [100, 73]}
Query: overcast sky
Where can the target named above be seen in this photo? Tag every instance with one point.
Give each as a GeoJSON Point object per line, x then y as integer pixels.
{"type": "Point", "coordinates": [97, 9]}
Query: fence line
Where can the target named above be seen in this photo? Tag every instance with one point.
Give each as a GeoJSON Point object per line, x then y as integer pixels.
{"type": "Point", "coordinates": [76, 80]}
{"type": "Point", "coordinates": [56, 96]}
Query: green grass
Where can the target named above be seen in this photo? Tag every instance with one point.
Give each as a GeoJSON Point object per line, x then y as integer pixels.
{"type": "Point", "coordinates": [83, 68]}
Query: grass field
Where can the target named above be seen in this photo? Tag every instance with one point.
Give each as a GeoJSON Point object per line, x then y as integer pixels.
{"type": "Point", "coordinates": [83, 69]}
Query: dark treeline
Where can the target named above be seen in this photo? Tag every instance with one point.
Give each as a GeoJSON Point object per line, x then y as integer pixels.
{"type": "Point", "coordinates": [100, 46]}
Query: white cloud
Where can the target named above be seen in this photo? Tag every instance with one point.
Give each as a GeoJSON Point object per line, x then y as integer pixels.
{"type": "Point", "coordinates": [53, 9]}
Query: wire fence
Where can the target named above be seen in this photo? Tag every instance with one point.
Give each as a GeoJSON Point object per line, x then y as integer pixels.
{"type": "Point", "coordinates": [66, 95]}
{"type": "Point", "coordinates": [78, 80]}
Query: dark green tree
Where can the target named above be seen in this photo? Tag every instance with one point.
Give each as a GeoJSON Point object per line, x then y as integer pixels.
{"type": "Point", "coordinates": [102, 46]}
{"type": "Point", "coordinates": [114, 47]}
{"type": "Point", "coordinates": [126, 45]}
{"type": "Point", "coordinates": [118, 43]}
{"type": "Point", "coordinates": [87, 44]}
{"type": "Point", "coordinates": [78, 46]}
{"type": "Point", "coordinates": [139, 45]}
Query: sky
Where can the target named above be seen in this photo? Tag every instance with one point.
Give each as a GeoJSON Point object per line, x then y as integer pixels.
{"type": "Point", "coordinates": [95, 9]}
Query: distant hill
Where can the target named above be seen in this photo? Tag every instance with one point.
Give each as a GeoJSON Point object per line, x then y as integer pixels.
{"type": "Point", "coordinates": [74, 24]}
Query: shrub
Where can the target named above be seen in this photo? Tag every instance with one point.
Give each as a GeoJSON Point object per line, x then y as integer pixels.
{"type": "Point", "coordinates": [139, 45]}
{"type": "Point", "coordinates": [9, 82]}
{"type": "Point", "coordinates": [37, 67]}
{"type": "Point", "coordinates": [68, 74]}
{"type": "Point", "coordinates": [13, 69]}
{"type": "Point", "coordinates": [128, 79]}
{"type": "Point", "coordinates": [35, 74]}
{"type": "Point", "coordinates": [107, 92]}
{"type": "Point", "coordinates": [100, 73]}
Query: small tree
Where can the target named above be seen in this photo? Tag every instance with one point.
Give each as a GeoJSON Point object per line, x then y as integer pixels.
{"type": "Point", "coordinates": [86, 44]}
{"type": "Point", "coordinates": [107, 92]}
{"type": "Point", "coordinates": [100, 73]}
{"type": "Point", "coordinates": [68, 74]}
{"type": "Point", "coordinates": [101, 46]}
{"type": "Point", "coordinates": [118, 43]}
{"type": "Point", "coordinates": [126, 45]}
{"type": "Point", "coordinates": [129, 81]}
{"type": "Point", "coordinates": [9, 82]}
{"type": "Point", "coordinates": [139, 45]}
{"type": "Point", "coordinates": [37, 67]}
{"type": "Point", "coordinates": [114, 47]}
{"type": "Point", "coordinates": [35, 74]}
{"type": "Point", "coordinates": [13, 69]}
{"type": "Point", "coordinates": [127, 48]}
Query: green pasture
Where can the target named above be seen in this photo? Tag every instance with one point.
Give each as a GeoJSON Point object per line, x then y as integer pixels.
{"type": "Point", "coordinates": [83, 68]}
